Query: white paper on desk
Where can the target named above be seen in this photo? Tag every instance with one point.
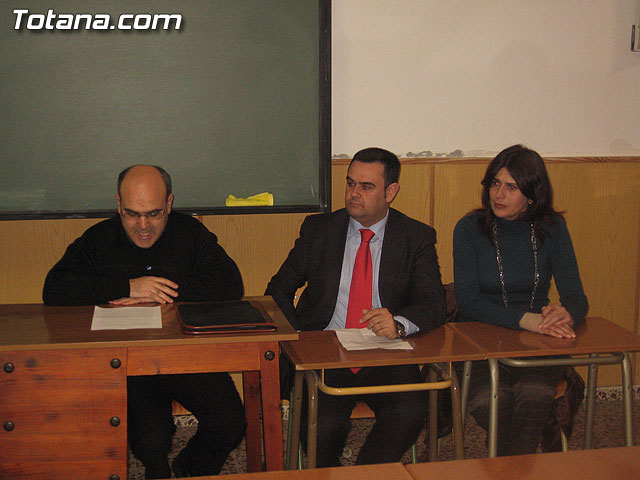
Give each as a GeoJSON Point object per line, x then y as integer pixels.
{"type": "Point", "coordinates": [365, 339]}
{"type": "Point", "coordinates": [125, 318]}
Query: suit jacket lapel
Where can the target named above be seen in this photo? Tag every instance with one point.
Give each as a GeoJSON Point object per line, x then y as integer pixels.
{"type": "Point", "coordinates": [335, 242]}
{"type": "Point", "coordinates": [393, 246]}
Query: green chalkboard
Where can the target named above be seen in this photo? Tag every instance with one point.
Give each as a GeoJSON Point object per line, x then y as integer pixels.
{"type": "Point", "coordinates": [234, 101]}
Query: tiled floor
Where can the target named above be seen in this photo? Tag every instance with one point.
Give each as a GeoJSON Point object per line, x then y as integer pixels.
{"type": "Point", "coordinates": [608, 432]}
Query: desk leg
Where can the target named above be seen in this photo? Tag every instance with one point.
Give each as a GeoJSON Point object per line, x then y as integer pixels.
{"type": "Point", "coordinates": [466, 378]}
{"type": "Point", "coordinates": [493, 408]}
{"type": "Point", "coordinates": [312, 418]}
{"type": "Point", "coordinates": [295, 414]}
{"type": "Point", "coordinates": [271, 413]}
{"type": "Point", "coordinates": [251, 393]}
{"type": "Point", "coordinates": [592, 380]}
{"type": "Point", "coordinates": [433, 417]}
{"type": "Point", "coordinates": [456, 410]}
{"type": "Point", "coordinates": [628, 404]}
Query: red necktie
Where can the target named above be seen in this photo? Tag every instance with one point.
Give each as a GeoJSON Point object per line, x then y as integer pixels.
{"type": "Point", "coordinates": [361, 284]}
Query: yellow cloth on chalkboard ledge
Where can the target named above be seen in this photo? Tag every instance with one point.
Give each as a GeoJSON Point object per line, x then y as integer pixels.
{"type": "Point", "coordinates": [264, 198]}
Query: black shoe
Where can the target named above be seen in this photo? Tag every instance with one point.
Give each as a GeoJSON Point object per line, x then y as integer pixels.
{"type": "Point", "coordinates": [179, 466]}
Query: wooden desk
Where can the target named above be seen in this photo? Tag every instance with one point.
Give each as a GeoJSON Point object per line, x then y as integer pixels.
{"type": "Point", "coordinates": [602, 464]}
{"type": "Point", "coordinates": [386, 471]}
{"type": "Point", "coordinates": [322, 350]}
{"type": "Point", "coordinates": [63, 399]}
{"type": "Point", "coordinates": [603, 341]}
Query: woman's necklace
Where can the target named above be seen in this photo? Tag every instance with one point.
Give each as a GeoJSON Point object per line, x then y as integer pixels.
{"type": "Point", "coordinates": [536, 275]}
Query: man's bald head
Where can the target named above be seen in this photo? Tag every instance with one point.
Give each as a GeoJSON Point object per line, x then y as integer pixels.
{"type": "Point", "coordinates": [144, 202]}
{"type": "Point", "coordinates": [137, 168]}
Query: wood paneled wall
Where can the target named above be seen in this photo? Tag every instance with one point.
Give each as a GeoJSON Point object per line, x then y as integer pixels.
{"type": "Point", "coordinates": [600, 197]}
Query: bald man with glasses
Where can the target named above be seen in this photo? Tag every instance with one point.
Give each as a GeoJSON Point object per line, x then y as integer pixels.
{"type": "Point", "coordinates": [149, 253]}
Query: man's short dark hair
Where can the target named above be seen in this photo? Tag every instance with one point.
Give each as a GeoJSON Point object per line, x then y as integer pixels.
{"type": "Point", "coordinates": [163, 173]}
{"type": "Point", "coordinates": [388, 160]}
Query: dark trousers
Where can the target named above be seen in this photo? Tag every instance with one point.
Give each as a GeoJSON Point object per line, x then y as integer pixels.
{"type": "Point", "coordinates": [213, 400]}
{"type": "Point", "coordinates": [525, 400]}
{"type": "Point", "coordinates": [399, 416]}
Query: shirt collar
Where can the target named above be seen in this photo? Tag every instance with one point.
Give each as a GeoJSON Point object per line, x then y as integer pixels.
{"type": "Point", "coordinates": [377, 228]}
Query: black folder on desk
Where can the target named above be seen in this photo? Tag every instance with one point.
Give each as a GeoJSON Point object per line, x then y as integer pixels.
{"type": "Point", "coordinates": [223, 317]}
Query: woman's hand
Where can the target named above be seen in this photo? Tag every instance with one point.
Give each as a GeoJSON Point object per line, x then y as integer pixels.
{"type": "Point", "coordinates": [556, 321]}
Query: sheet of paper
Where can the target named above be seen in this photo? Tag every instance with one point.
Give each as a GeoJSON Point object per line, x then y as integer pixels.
{"type": "Point", "coordinates": [365, 339]}
{"type": "Point", "coordinates": [125, 318]}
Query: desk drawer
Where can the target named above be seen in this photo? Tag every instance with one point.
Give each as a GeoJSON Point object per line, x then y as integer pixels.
{"type": "Point", "coordinates": [205, 358]}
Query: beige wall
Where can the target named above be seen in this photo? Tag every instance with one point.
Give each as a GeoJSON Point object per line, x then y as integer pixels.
{"type": "Point", "coordinates": [434, 75]}
{"type": "Point", "coordinates": [601, 197]}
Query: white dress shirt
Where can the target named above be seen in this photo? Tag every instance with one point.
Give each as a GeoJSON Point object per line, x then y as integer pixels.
{"type": "Point", "coordinates": [354, 238]}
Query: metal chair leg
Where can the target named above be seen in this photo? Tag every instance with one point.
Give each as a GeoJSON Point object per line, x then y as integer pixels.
{"type": "Point", "coordinates": [565, 442]}
{"type": "Point", "coordinates": [592, 380]}
{"type": "Point", "coordinates": [493, 407]}
{"type": "Point", "coordinates": [464, 391]}
{"type": "Point", "coordinates": [627, 385]}
{"type": "Point", "coordinates": [456, 417]}
{"type": "Point", "coordinates": [312, 419]}
{"type": "Point", "coordinates": [287, 444]}
{"type": "Point", "coordinates": [295, 413]}
{"type": "Point", "coordinates": [433, 417]}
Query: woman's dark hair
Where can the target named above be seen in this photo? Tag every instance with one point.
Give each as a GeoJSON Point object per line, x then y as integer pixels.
{"type": "Point", "coordinates": [528, 170]}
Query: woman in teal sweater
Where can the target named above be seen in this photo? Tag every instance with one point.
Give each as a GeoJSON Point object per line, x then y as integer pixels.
{"type": "Point", "coordinates": [505, 254]}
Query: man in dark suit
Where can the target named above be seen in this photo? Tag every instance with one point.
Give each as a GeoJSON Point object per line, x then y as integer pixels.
{"type": "Point", "coordinates": [406, 296]}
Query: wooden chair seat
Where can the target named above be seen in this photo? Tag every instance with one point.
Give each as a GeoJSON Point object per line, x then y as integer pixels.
{"type": "Point", "coordinates": [177, 409]}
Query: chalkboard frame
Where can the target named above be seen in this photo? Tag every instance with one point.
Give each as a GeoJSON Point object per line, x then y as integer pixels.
{"type": "Point", "coordinates": [324, 152]}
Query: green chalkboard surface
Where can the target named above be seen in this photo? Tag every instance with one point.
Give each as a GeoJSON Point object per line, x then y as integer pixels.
{"type": "Point", "coordinates": [234, 101]}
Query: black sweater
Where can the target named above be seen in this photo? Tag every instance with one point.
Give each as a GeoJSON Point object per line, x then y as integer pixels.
{"type": "Point", "coordinates": [97, 266]}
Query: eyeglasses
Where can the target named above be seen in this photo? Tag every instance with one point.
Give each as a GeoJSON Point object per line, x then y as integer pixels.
{"type": "Point", "coordinates": [134, 216]}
